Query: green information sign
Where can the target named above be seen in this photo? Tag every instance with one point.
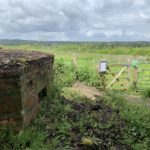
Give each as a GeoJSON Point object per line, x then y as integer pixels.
{"type": "Point", "coordinates": [134, 63]}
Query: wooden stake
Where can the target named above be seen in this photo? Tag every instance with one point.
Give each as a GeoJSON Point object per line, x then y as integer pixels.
{"type": "Point", "coordinates": [129, 74]}
{"type": "Point", "coordinates": [74, 59]}
{"type": "Point", "coordinates": [135, 77]}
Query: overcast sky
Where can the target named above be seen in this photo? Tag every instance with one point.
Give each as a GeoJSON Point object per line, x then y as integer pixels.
{"type": "Point", "coordinates": [75, 20]}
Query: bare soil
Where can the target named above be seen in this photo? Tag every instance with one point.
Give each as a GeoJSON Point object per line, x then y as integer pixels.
{"type": "Point", "coordinates": [87, 91]}
{"type": "Point", "coordinates": [92, 93]}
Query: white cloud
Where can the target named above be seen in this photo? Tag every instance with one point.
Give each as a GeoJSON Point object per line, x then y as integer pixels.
{"type": "Point", "coordinates": [139, 2]}
{"type": "Point", "coordinates": [75, 19]}
{"type": "Point", "coordinates": [111, 33]}
{"type": "Point", "coordinates": [89, 33]}
{"type": "Point", "coordinates": [143, 15]}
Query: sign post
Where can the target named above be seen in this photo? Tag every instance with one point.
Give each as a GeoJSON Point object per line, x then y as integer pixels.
{"type": "Point", "coordinates": [102, 72]}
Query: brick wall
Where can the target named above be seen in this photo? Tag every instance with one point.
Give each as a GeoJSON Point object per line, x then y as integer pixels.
{"type": "Point", "coordinates": [19, 92]}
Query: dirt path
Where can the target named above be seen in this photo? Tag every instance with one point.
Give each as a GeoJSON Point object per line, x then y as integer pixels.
{"type": "Point", "coordinates": [87, 91]}
{"type": "Point", "coordinates": [91, 93]}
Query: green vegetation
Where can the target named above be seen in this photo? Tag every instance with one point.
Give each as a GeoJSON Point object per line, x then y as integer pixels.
{"type": "Point", "coordinates": [137, 131]}
{"type": "Point", "coordinates": [69, 121]}
{"type": "Point", "coordinates": [101, 48]}
{"type": "Point", "coordinates": [146, 93]}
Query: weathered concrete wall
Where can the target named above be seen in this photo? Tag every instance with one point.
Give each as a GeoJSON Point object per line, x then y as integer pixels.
{"type": "Point", "coordinates": [20, 91]}
{"type": "Point", "coordinates": [10, 102]}
{"type": "Point", "coordinates": [33, 81]}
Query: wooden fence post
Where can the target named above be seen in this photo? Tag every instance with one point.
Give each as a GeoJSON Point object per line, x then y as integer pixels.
{"type": "Point", "coordinates": [103, 81]}
{"type": "Point", "coordinates": [134, 64]}
{"type": "Point", "coordinates": [135, 77]}
{"type": "Point", "coordinates": [129, 74]}
{"type": "Point", "coordinates": [74, 60]}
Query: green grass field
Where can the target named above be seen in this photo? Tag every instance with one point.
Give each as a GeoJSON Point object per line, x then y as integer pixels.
{"type": "Point", "coordinates": [88, 47]}
{"type": "Point", "coordinates": [69, 121]}
{"type": "Point", "coordinates": [89, 55]}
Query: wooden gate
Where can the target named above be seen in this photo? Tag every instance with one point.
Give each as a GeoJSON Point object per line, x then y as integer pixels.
{"type": "Point", "coordinates": [144, 75]}
{"type": "Point", "coordinates": [118, 76]}
{"type": "Point", "coordinates": [125, 76]}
